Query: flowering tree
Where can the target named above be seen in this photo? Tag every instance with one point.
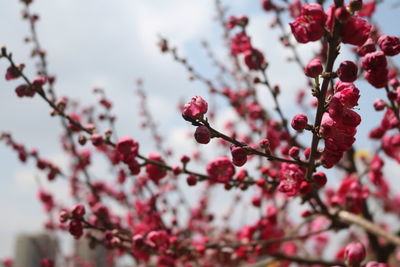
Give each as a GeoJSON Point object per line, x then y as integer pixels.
{"type": "Point", "coordinates": [277, 159]}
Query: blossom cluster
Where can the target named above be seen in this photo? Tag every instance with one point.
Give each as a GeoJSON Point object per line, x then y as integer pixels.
{"type": "Point", "coordinates": [285, 204]}
{"type": "Point", "coordinates": [338, 126]}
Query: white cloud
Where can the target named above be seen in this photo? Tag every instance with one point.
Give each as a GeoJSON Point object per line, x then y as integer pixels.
{"type": "Point", "coordinates": [178, 20]}
{"type": "Point", "coordinates": [25, 179]}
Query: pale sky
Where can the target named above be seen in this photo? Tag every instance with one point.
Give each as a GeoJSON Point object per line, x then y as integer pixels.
{"type": "Point", "coordinates": [110, 44]}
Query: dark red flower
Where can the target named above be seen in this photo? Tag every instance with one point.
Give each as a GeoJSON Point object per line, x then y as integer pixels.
{"type": "Point", "coordinates": [202, 135]}
{"type": "Point", "coordinates": [313, 68]}
{"type": "Point", "coordinates": [347, 71]}
{"type": "Point", "coordinates": [290, 176]}
{"type": "Point", "coordinates": [196, 108]}
{"type": "Point", "coordinates": [355, 31]}
{"type": "Point", "coordinates": [299, 122]}
{"type": "Point", "coordinates": [220, 169]}
{"type": "Point", "coordinates": [254, 59]}
{"type": "Point", "coordinates": [390, 45]}
{"type": "Point", "coordinates": [309, 26]}
{"type": "Point", "coordinates": [154, 171]}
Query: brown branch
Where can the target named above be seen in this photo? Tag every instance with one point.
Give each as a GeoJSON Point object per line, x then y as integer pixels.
{"type": "Point", "coordinates": [367, 225]}
{"type": "Point", "coordinates": [297, 259]}
{"type": "Point", "coordinates": [250, 150]}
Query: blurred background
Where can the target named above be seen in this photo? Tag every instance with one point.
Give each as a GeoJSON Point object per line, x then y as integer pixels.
{"type": "Point", "coordinates": [110, 44]}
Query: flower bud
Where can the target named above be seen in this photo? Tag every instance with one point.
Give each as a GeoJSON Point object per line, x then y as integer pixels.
{"type": "Point", "coordinates": [82, 139]}
{"type": "Point", "coordinates": [309, 26]}
{"type": "Point", "coordinates": [256, 201]}
{"type": "Point", "coordinates": [307, 152]}
{"type": "Point", "coordinates": [264, 144]}
{"type": "Point", "coordinates": [379, 104]}
{"type": "Point", "coordinates": [261, 182]}
{"type": "Point", "coordinates": [185, 159]}
{"type": "Point", "coordinates": [347, 71]}
{"type": "Point", "coordinates": [342, 14]}
{"type": "Point", "coordinates": [97, 139]}
{"type": "Point", "coordinates": [239, 156]}
{"type": "Point", "coordinates": [202, 135]}
{"type": "Point", "coordinates": [367, 47]}
{"type": "Point", "coordinates": [155, 172]}
{"type": "Point", "coordinates": [79, 211]}
{"type": "Point", "coordinates": [267, 5]}
{"type": "Point", "coordinates": [305, 213]}
{"type": "Point", "coordinates": [355, 31]}
{"type": "Point", "coordinates": [390, 45]}
{"type": "Point", "coordinates": [299, 122]}
{"type": "Point", "coordinates": [374, 61]}
{"type": "Point", "coordinates": [176, 170]}
{"type": "Point", "coordinates": [196, 108]}
{"type": "Point", "coordinates": [368, 9]}
{"type": "Point", "coordinates": [355, 253]}
{"type": "Point", "coordinates": [126, 146]}
{"type": "Point", "coordinates": [220, 169]}
{"type": "Point", "coordinates": [313, 68]}
{"type": "Point", "coordinates": [377, 79]}
{"type": "Point", "coordinates": [242, 20]}
{"type": "Point", "coordinates": [294, 152]}
{"type": "Point", "coordinates": [254, 59]}
{"type": "Point", "coordinates": [38, 82]}
{"type": "Point", "coordinates": [13, 72]}
{"type": "Point", "coordinates": [76, 229]}
{"type": "Point", "coordinates": [319, 179]}
{"type": "Point", "coordinates": [305, 188]}
{"type": "Point", "coordinates": [64, 216]}
{"type": "Point", "coordinates": [24, 90]}
{"type": "Point", "coordinates": [191, 180]}
{"type": "Point", "coordinates": [138, 241]}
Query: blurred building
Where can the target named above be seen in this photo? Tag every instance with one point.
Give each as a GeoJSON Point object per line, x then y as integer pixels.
{"type": "Point", "coordinates": [98, 256]}
{"type": "Point", "coordinates": [32, 248]}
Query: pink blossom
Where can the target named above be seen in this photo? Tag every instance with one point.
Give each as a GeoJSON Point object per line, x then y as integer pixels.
{"type": "Point", "coordinates": [313, 68]}
{"type": "Point", "coordinates": [368, 8]}
{"type": "Point", "coordinates": [254, 59]}
{"type": "Point", "coordinates": [355, 253]}
{"type": "Point", "coordinates": [78, 211]}
{"type": "Point", "coordinates": [347, 71]}
{"type": "Point", "coordinates": [267, 5]}
{"type": "Point", "coordinates": [240, 43]}
{"type": "Point", "coordinates": [127, 148]}
{"type": "Point", "coordinates": [196, 108]}
{"type": "Point", "coordinates": [391, 146]}
{"type": "Point", "coordinates": [155, 172]}
{"type": "Point", "coordinates": [309, 26]}
{"type": "Point", "coordinates": [13, 72]}
{"type": "Point", "coordinates": [367, 47]}
{"type": "Point", "coordinates": [355, 31]}
{"type": "Point", "coordinates": [202, 135]}
{"type": "Point", "coordinates": [319, 178]}
{"type": "Point", "coordinates": [290, 176]}
{"type": "Point", "coordinates": [390, 45]}
{"type": "Point", "coordinates": [374, 61]}
{"type": "Point", "coordinates": [76, 228]}
{"type": "Point", "coordinates": [38, 82]}
{"type": "Point", "coordinates": [299, 122]}
{"type": "Point", "coordinates": [220, 169]}
{"type": "Point", "coordinates": [239, 156]}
